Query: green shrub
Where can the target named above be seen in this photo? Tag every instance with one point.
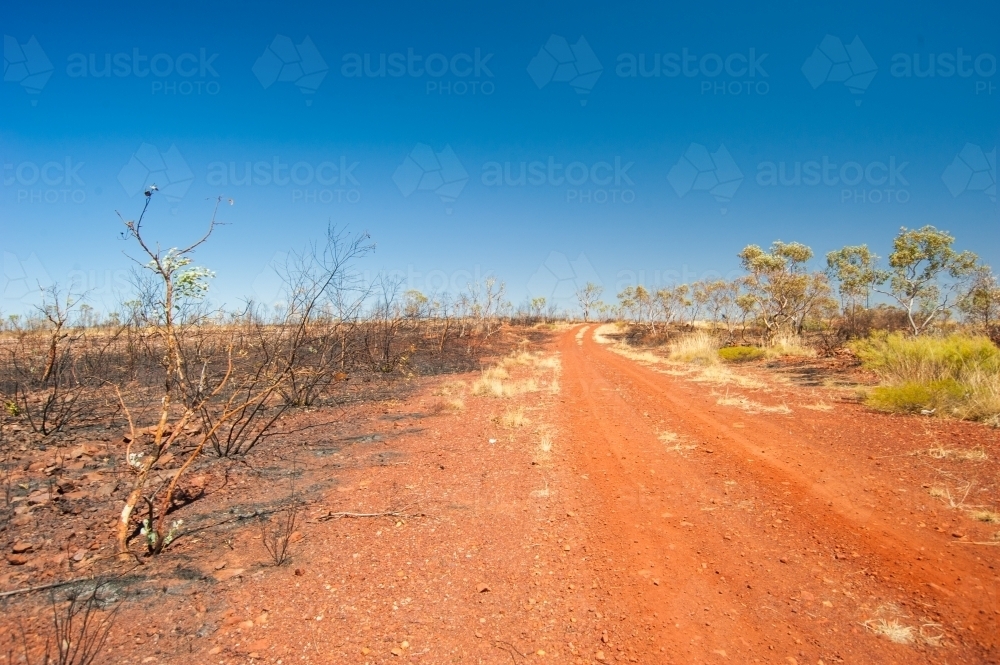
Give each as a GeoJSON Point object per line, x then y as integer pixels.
{"type": "Point", "coordinates": [739, 354]}
{"type": "Point", "coordinates": [899, 358]}
{"type": "Point", "coordinates": [913, 397]}
{"type": "Point", "coordinates": [957, 375]}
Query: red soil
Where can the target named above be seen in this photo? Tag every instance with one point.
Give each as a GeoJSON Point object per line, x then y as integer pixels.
{"type": "Point", "coordinates": [743, 537]}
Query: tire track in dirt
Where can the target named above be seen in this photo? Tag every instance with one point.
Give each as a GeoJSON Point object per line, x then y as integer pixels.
{"type": "Point", "coordinates": [751, 545]}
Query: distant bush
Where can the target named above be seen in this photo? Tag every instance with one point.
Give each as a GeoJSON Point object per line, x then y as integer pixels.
{"type": "Point", "coordinates": [739, 354]}
{"type": "Point", "coordinates": [956, 375]}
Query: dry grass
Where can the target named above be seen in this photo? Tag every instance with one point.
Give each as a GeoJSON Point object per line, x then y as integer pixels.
{"type": "Point", "coordinates": [639, 356]}
{"type": "Point", "coordinates": [818, 406]}
{"type": "Point", "coordinates": [956, 500]}
{"type": "Point", "coordinates": [892, 629]}
{"type": "Point", "coordinates": [602, 332]}
{"type": "Point", "coordinates": [968, 455]}
{"type": "Point", "coordinates": [497, 381]}
{"type": "Point", "coordinates": [447, 406]}
{"type": "Point", "coordinates": [667, 437]}
{"type": "Point", "coordinates": [699, 348]}
{"type": "Point", "coordinates": [887, 623]}
{"type": "Point", "coordinates": [789, 345]}
{"type": "Point", "coordinates": [580, 333]}
{"type": "Point", "coordinates": [545, 443]}
{"type": "Point", "coordinates": [514, 418]}
{"type": "Point", "coordinates": [549, 362]}
{"type": "Point", "coordinates": [988, 516]}
{"type": "Point", "coordinates": [450, 388]}
{"type": "Point", "coordinates": [499, 388]}
{"type": "Point", "coordinates": [750, 406]}
{"type": "Point", "coordinates": [723, 376]}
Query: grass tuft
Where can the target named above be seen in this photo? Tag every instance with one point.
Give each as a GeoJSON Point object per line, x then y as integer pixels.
{"type": "Point", "coordinates": [699, 348]}
{"type": "Point", "coordinates": [957, 375]}
{"type": "Point", "coordinates": [789, 345]}
{"type": "Point", "coordinates": [514, 418]}
{"type": "Point", "coordinates": [893, 630]}
{"type": "Point", "coordinates": [987, 516]}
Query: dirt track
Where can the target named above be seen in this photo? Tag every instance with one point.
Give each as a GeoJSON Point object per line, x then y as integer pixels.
{"type": "Point", "coordinates": [765, 535]}
{"type": "Point", "coordinates": [636, 514]}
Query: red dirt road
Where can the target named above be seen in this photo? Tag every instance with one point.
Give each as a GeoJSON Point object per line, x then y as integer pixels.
{"type": "Point", "coordinates": [612, 511]}
{"type": "Point", "coordinates": [770, 536]}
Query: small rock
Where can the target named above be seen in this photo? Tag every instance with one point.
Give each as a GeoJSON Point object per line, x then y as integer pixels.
{"type": "Point", "coordinates": [396, 651]}
{"type": "Point", "coordinates": [18, 559]}
{"type": "Point", "coordinates": [38, 497]}
{"type": "Point", "coordinates": [105, 490]}
{"type": "Point", "coordinates": [21, 547]}
{"type": "Point", "coordinates": [214, 650]}
{"type": "Point", "coordinates": [783, 559]}
{"type": "Point", "coordinates": [299, 572]}
{"type": "Point", "coordinates": [246, 624]}
{"type": "Point", "coordinates": [482, 588]}
{"type": "Point", "coordinates": [78, 555]}
{"type": "Point", "coordinates": [599, 656]}
{"type": "Point", "coordinates": [258, 645]}
{"type": "Point", "coordinates": [295, 537]}
{"type": "Point", "coordinates": [955, 534]}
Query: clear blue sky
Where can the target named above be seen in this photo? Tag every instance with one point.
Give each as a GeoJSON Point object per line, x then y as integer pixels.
{"type": "Point", "coordinates": [619, 133]}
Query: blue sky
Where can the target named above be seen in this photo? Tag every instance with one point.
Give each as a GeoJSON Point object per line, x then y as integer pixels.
{"type": "Point", "coordinates": [653, 178]}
